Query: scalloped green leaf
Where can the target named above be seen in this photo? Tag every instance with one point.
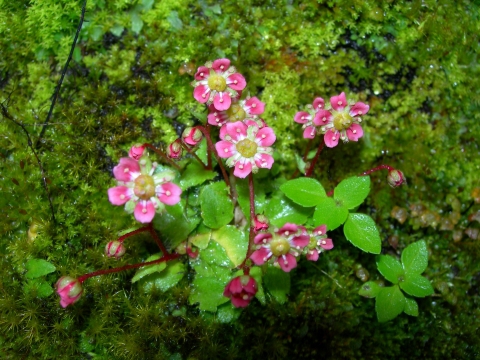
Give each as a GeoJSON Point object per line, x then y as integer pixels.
{"type": "Point", "coordinates": [234, 241]}
{"type": "Point", "coordinates": [411, 307]}
{"type": "Point", "coordinates": [277, 282]}
{"type": "Point", "coordinates": [208, 292]}
{"type": "Point", "coordinates": [195, 174]}
{"type": "Point", "coordinates": [216, 205]}
{"type": "Point", "coordinates": [416, 285]}
{"type": "Point", "coordinates": [39, 286]}
{"type": "Point", "coordinates": [330, 213]}
{"type": "Point", "coordinates": [256, 273]}
{"type": "Point", "coordinates": [369, 290]}
{"type": "Point", "coordinates": [390, 268]}
{"type": "Point", "coordinates": [304, 191]}
{"type": "Point", "coordinates": [361, 231]}
{"type": "Point", "coordinates": [150, 269]}
{"type": "Point", "coordinates": [415, 258]}
{"type": "Point", "coordinates": [389, 303]}
{"type": "Point", "coordinates": [173, 273]}
{"type": "Point", "coordinates": [352, 191]}
{"type": "Point", "coordinates": [38, 267]}
{"type": "Point", "coordinates": [281, 210]}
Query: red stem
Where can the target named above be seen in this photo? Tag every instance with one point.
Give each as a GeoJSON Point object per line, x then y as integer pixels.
{"type": "Point", "coordinates": [162, 155]}
{"type": "Point", "coordinates": [209, 151]}
{"type": "Point", "coordinates": [252, 223]}
{"type": "Point", "coordinates": [192, 152]}
{"type": "Point", "coordinates": [314, 161]}
{"type": "Point", "coordinates": [134, 232]}
{"type": "Point", "coordinates": [127, 267]}
{"type": "Point", "coordinates": [157, 239]}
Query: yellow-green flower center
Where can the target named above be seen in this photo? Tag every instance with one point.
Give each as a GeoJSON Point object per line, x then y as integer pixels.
{"type": "Point", "coordinates": [144, 187]}
{"type": "Point", "coordinates": [279, 246]}
{"type": "Point", "coordinates": [217, 82]}
{"type": "Point", "coordinates": [342, 121]}
{"type": "Point", "coordinates": [247, 148]}
{"type": "Point", "coordinates": [236, 113]}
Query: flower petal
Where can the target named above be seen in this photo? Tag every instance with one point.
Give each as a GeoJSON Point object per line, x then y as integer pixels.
{"type": "Point", "coordinates": [320, 230]}
{"type": "Point", "coordinates": [354, 132]}
{"type": "Point", "coordinates": [262, 236]}
{"type": "Point", "coordinates": [318, 103]}
{"type": "Point", "coordinates": [331, 138]}
{"type": "Point", "coordinates": [301, 240]}
{"type": "Point", "coordinates": [328, 244]}
{"type": "Point", "coordinates": [260, 256]}
{"type": "Point", "coordinates": [256, 107]}
{"type": "Point", "coordinates": [118, 195]}
{"type": "Point", "coordinates": [126, 169]}
{"type": "Point", "coordinates": [201, 93]}
{"type": "Point", "coordinates": [169, 194]}
{"type": "Point", "coordinates": [242, 169]}
{"type": "Point", "coordinates": [236, 82]}
{"type": "Point", "coordinates": [221, 65]}
{"type": "Point", "coordinates": [287, 229]}
{"type": "Point", "coordinates": [239, 302]}
{"type": "Point", "coordinates": [144, 211]}
{"type": "Point", "coordinates": [301, 117]}
{"type": "Point", "coordinates": [312, 255]}
{"type": "Point", "coordinates": [322, 117]}
{"type": "Point", "coordinates": [266, 136]}
{"type": "Point", "coordinates": [338, 102]}
{"type": "Point", "coordinates": [236, 130]}
{"type": "Point", "coordinates": [288, 263]}
{"type": "Point", "coordinates": [359, 109]}
{"type": "Point", "coordinates": [264, 161]}
{"type": "Point", "coordinates": [225, 149]}
{"type": "Point", "coordinates": [309, 132]}
{"type": "Point", "coordinates": [202, 73]}
{"type": "Point", "coordinates": [222, 101]}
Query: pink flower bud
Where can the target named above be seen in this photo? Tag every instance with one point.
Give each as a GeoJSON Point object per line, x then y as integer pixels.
{"type": "Point", "coordinates": [192, 136]}
{"type": "Point", "coordinates": [241, 290]}
{"type": "Point", "coordinates": [69, 289]}
{"type": "Point", "coordinates": [260, 223]}
{"type": "Point", "coordinates": [115, 249]}
{"type": "Point", "coordinates": [175, 149]}
{"type": "Point", "coordinates": [396, 178]}
{"type": "Point", "coordinates": [192, 254]}
{"type": "Point", "coordinates": [136, 151]}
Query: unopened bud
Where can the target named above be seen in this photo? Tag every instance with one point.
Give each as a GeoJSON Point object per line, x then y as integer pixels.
{"type": "Point", "coordinates": [260, 223]}
{"type": "Point", "coordinates": [396, 178]}
{"type": "Point", "coordinates": [192, 136]}
{"type": "Point", "coordinates": [115, 249]}
{"type": "Point", "coordinates": [175, 149]}
{"type": "Point", "coordinates": [241, 290]}
{"type": "Point", "coordinates": [136, 151]}
{"type": "Point", "coordinates": [69, 289]}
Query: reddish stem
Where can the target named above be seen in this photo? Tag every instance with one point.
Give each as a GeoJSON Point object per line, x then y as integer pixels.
{"type": "Point", "coordinates": [127, 267]}
{"type": "Point", "coordinates": [314, 161]}
{"type": "Point", "coordinates": [134, 232]}
{"type": "Point", "coordinates": [157, 239]}
{"type": "Point", "coordinates": [209, 151]}
{"type": "Point", "coordinates": [192, 152]}
{"type": "Point", "coordinates": [251, 235]}
{"type": "Point", "coordinates": [162, 155]}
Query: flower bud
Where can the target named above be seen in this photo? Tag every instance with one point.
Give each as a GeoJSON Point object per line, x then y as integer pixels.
{"type": "Point", "coordinates": [192, 136]}
{"type": "Point", "coordinates": [241, 290]}
{"type": "Point", "coordinates": [396, 178]}
{"type": "Point", "coordinates": [136, 151]}
{"type": "Point", "coordinates": [260, 223]}
{"type": "Point", "coordinates": [69, 289]}
{"type": "Point", "coordinates": [115, 249]}
{"type": "Point", "coordinates": [175, 149]}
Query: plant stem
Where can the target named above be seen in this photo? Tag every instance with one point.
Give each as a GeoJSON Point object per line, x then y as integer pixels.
{"type": "Point", "coordinates": [252, 223]}
{"type": "Point", "coordinates": [157, 239]}
{"type": "Point", "coordinates": [192, 152]}
{"type": "Point", "coordinates": [134, 232]}
{"type": "Point", "coordinates": [314, 161]}
{"type": "Point", "coordinates": [127, 267]}
{"type": "Point", "coordinates": [162, 155]}
{"type": "Point", "coordinates": [209, 151]}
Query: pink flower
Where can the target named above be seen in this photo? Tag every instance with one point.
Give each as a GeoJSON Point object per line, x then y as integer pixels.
{"type": "Point", "coordinates": [318, 242]}
{"type": "Point", "coordinates": [281, 247]}
{"type": "Point", "coordinates": [174, 150]}
{"type": "Point", "coordinates": [396, 178]}
{"type": "Point", "coordinates": [217, 82]}
{"type": "Point", "coordinates": [342, 121]}
{"type": "Point", "coordinates": [144, 188]}
{"type": "Point", "coordinates": [115, 249]}
{"type": "Point", "coordinates": [69, 289]}
{"type": "Point", "coordinates": [306, 117]}
{"type": "Point", "coordinates": [260, 223]}
{"type": "Point", "coordinates": [246, 147]}
{"type": "Point", "coordinates": [192, 135]}
{"type": "Point", "coordinates": [136, 151]}
{"type": "Point", "coordinates": [248, 109]}
{"type": "Point", "coordinates": [241, 290]}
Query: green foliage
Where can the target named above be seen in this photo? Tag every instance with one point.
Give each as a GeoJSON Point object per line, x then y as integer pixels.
{"type": "Point", "coordinates": [216, 206]}
{"type": "Point", "coordinates": [304, 191]}
{"type": "Point", "coordinates": [361, 231]}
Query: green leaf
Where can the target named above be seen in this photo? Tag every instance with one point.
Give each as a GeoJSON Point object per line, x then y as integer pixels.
{"type": "Point", "coordinates": [411, 307]}
{"type": "Point", "coordinates": [416, 285]}
{"type": "Point", "coordinates": [304, 191]}
{"type": "Point", "coordinates": [137, 22]}
{"type": "Point", "coordinates": [415, 258]}
{"type": "Point", "coordinates": [217, 208]}
{"type": "Point", "coordinates": [244, 198]}
{"type": "Point", "coordinates": [352, 191]}
{"type": "Point", "coordinates": [175, 226]}
{"type": "Point", "coordinates": [117, 30]}
{"type": "Point", "coordinates": [361, 231]}
{"type": "Point", "coordinates": [202, 238]}
{"type": "Point", "coordinates": [234, 241]}
{"type": "Point", "coordinates": [38, 267]}
{"type": "Point", "coordinates": [208, 292]}
{"type": "Point", "coordinates": [369, 290]}
{"type": "Point", "coordinates": [330, 213]}
{"type": "Point", "coordinates": [214, 254]}
{"type": "Point", "coordinates": [227, 313]}
{"type": "Point", "coordinates": [150, 269]}
{"type": "Point", "coordinates": [277, 283]}
{"type": "Point", "coordinates": [300, 163]}
{"type": "Point", "coordinates": [174, 272]}
{"type": "Point", "coordinates": [280, 211]}
{"type": "Point", "coordinates": [389, 303]}
{"type": "Point", "coordinates": [175, 22]}
{"type": "Point", "coordinates": [39, 286]}
{"type": "Point", "coordinates": [195, 174]}
{"type": "Point", "coordinates": [390, 268]}
{"type": "Point", "coordinates": [256, 273]}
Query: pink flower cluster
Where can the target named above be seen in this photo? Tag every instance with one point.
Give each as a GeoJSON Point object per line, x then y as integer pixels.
{"type": "Point", "coordinates": [289, 242]}
{"type": "Point", "coordinates": [143, 187]}
{"type": "Point", "coordinates": [341, 121]}
{"type": "Point", "coordinates": [241, 290]}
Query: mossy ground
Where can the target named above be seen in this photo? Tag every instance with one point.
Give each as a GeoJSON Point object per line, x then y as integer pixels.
{"type": "Point", "coordinates": [414, 62]}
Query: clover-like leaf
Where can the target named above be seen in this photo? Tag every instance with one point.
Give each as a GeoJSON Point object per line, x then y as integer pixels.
{"type": "Point", "coordinates": [390, 268]}
{"type": "Point", "coordinates": [234, 241]}
{"type": "Point", "coordinates": [411, 307]}
{"type": "Point", "coordinates": [416, 285]}
{"type": "Point", "coordinates": [38, 267]}
{"type": "Point", "coordinates": [415, 258]}
{"type": "Point", "coordinates": [216, 206]}
{"type": "Point", "coordinates": [281, 210]}
{"type": "Point", "coordinates": [389, 303]}
{"type": "Point", "coordinates": [195, 174]}
{"type": "Point", "coordinates": [304, 191]}
{"type": "Point", "coordinates": [361, 231]}
{"type": "Point", "coordinates": [352, 191]}
{"type": "Point", "coordinates": [369, 290]}
{"type": "Point", "coordinates": [330, 213]}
